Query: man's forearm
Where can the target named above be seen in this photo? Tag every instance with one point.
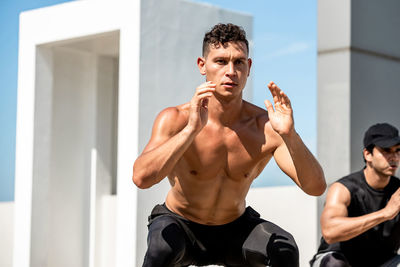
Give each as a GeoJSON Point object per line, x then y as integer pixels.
{"type": "Point", "coordinates": [309, 172]}
{"type": "Point", "coordinates": [154, 165]}
{"type": "Point", "coordinates": [345, 228]}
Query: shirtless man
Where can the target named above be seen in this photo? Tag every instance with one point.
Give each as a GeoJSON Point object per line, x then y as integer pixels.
{"type": "Point", "coordinates": [211, 149]}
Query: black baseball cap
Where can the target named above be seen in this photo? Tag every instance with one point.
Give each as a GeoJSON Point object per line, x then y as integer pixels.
{"type": "Point", "coordinates": [382, 135]}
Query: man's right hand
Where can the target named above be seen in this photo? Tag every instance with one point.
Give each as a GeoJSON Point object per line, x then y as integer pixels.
{"type": "Point", "coordinates": [393, 206]}
{"type": "Point", "coordinates": [198, 114]}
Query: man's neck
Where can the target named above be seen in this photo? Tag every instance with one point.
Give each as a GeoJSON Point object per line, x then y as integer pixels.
{"type": "Point", "coordinates": [376, 180]}
{"type": "Point", "coordinates": [225, 111]}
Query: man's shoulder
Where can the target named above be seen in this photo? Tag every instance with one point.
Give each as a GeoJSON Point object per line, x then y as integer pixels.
{"type": "Point", "coordinates": [352, 179]}
{"type": "Point", "coordinates": [354, 175]}
{"type": "Point", "coordinates": [261, 119]}
{"type": "Point", "coordinates": [173, 117]}
{"type": "Point", "coordinates": [174, 112]}
{"type": "Point", "coordinates": [254, 110]}
{"type": "Point", "coordinates": [257, 113]}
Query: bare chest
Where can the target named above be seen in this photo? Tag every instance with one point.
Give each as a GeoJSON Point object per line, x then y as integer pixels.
{"type": "Point", "coordinates": [234, 154]}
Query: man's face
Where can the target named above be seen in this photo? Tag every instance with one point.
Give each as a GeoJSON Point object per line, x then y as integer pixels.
{"type": "Point", "coordinates": [384, 160]}
{"type": "Point", "coordinates": [228, 66]}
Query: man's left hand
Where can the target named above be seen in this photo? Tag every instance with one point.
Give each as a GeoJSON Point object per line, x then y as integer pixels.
{"type": "Point", "coordinates": [281, 118]}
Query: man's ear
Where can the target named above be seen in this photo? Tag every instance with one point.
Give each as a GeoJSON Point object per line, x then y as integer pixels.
{"type": "Point", "coordinates": [249, 62]}
{"type": "Point", "coordinates": [201, 63]}
{"type": "Point", "coordinates": [367, 155]}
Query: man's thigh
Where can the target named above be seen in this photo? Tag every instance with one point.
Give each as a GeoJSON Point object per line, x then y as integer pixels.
{"type": "Point", "coordinates": [258, 242]}
{"type": "Point", "coordinates": [167, 243]}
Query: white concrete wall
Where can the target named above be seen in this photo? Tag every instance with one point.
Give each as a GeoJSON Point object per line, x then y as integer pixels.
{"type": "Point", "coordinates": [73, 124]}
{"type": "Point", "coordinates": [75, 113]}
{"type": "Point", "coordinates": [67, 161]}
{"type": "Point", "coordinates": [6, 233]}
{"type": "Point", "coordinates": [105, 230]}
{"type": "Point", "coordinates": [106, 257]}
{"type": "Point", "coordinates": [291, 209]}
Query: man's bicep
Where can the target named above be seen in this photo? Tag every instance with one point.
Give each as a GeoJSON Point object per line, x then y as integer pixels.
{"type": "Point", "coordinates": [336, 226]}
{"type": "Point", "coordinates": [337, 200]}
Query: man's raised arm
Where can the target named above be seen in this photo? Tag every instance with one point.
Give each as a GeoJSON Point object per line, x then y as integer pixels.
{"type": "Point", "coordinates": [292, 156]}
{"type": "Point", "coordinates": [173, 131]}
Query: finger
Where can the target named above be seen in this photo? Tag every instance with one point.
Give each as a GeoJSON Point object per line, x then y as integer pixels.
{"type": "Point", "coordinates": [275, 92]}
{"type": "Point", "coordinates": [200, 101]}
{"type": "Point", "coordinates": [269, 106]}
{"type": "Point", "coordinates": [206, 84]}
{"type": "Point", "coordinates": [203, 89]}
{"type": "Point", "coordinates": [206, 90]}
{"type": "Point", "coordinates": [209, 83]}
{"type": "Point", "coordinates": [205, 95]}
{"type": "Point", "coordinates": [271, 88]}
{"type": "Point", "coordinates": [199, 97]}
{"type": "Point", "coordinates": [282, 98]}
{"type": "Point", "coordinates": [204, 103]}
{"type": "Point", "coordinates": [285, 100]}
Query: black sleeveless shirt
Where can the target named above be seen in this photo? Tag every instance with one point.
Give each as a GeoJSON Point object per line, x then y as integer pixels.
{"type": "Point", "coordinates": [381, 242]}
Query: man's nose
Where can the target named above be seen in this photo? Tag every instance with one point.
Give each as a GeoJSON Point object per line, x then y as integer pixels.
{"type": "Point", "coordinates": [230, 69]}
{"type": "Point", "coordinates": [394, 155]}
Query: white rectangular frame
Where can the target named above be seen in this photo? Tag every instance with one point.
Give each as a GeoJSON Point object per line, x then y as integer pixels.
{"type": "Point", "coordinates": [53, 24]}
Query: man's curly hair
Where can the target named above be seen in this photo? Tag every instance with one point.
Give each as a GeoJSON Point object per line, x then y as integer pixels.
{"type": "Point", "coordinates": [223, 33]}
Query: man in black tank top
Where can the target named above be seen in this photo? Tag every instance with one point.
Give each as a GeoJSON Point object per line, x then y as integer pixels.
{"type": "Point", "coordinates": [361, 222]}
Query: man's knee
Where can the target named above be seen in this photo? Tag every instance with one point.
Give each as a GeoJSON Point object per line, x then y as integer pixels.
{"type": "Point", "coordinates": [166, 243]}
{"type": "Point", "coordinates": [270, 244]}
{"type": "Point", "coordinates": [283, 250]}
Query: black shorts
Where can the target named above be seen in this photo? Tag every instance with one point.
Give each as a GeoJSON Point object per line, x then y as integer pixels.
{"type": "Point", "coordinates": [247, 241]}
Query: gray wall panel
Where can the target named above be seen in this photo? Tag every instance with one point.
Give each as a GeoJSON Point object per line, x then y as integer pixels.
{"type": "Point", "coordinates": [375, 26]}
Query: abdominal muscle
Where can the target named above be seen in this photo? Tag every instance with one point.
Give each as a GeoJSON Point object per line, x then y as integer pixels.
{"type": "Point", "coordinates": [210, 201]}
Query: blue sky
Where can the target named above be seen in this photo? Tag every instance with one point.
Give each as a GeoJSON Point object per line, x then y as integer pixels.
{"type": "Point", "coordinates": [284, 36]}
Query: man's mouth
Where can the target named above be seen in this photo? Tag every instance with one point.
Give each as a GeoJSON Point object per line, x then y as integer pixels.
{"type": "Point", "coordinates": [231, 84]}
{"type": "Point", "coordinates": [393, 165]}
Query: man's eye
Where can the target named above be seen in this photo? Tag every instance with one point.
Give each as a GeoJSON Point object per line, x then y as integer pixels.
{"type": "Point", "coordinates": [388, 150]}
